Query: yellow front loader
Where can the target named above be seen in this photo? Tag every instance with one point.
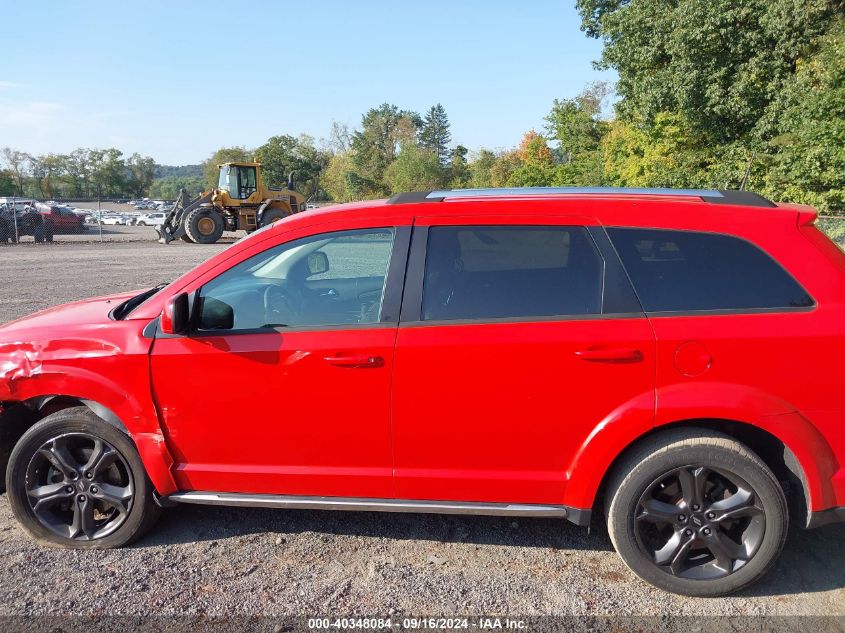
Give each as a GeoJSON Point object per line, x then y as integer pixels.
{"type": "Point", "coordinates": [241, 201]}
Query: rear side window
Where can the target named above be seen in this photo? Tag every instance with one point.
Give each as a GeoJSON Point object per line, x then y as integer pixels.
{"type": "Point", "coordinates": [678, 271]}
{"type": "Point", "coordinates": [490, 272]}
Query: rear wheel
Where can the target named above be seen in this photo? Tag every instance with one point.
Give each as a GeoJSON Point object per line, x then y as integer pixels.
{"type": "Point", "coordinates": [204, 226]}
{"type": "Point", "coordinates": [696, 513]}
{"type": "Point", "coordinates": [39, 232]}
{"type": "Point", "coordinates": [75, 480]}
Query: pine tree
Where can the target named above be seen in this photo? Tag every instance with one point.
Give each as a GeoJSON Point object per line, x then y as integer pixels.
{"type": "Point", "coordinates": [434, 133]}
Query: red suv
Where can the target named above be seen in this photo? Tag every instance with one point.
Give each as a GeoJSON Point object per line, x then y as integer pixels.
{"type": "Point", "coordinates": [668, 358]}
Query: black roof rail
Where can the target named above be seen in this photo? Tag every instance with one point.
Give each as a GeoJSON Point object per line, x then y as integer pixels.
{"type": "Point", "coordinates": [715, 196]}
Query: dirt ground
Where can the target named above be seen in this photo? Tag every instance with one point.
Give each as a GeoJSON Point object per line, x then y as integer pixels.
{"type": "Point", "coordinates": [213, 561]}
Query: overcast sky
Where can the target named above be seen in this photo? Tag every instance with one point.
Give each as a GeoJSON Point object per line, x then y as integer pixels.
{"type": "Point", "coordinates": [177, 79]}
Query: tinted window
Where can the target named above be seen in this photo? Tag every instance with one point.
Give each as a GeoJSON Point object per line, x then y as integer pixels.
{"type": "Point", "coordinates": [685, 270]}
{"type": "Point", "coordinates": [329, 279]}
{"type": "Point", "coordinates": [481, 272]}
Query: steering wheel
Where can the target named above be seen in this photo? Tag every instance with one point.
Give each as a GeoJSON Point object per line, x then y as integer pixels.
{"type": "Point", "coordinates": [279, 306]}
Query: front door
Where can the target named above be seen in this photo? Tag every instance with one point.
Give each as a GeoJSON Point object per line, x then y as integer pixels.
{"type": "Point", "coordinates": [283, 385]}
{"type": "Point", "coordinates": [517, 342]}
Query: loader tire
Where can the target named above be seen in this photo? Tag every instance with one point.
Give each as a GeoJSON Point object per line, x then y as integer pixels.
{"type": "Point", "coordinates": [185, 238]}
{"type": "Point", "coordinates": [5, 232]}
{"type": "Point", "coordinates": [272, 215]}
{"type": "Point", "coordinates": [204, 226]}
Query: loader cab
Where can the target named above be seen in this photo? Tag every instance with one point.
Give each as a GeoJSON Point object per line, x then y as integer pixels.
{"type": "Point", "coordinates": [241, 181]}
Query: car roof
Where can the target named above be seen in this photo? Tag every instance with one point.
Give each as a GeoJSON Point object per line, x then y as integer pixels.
{"type": "Point", "coordinates": [609, 206]}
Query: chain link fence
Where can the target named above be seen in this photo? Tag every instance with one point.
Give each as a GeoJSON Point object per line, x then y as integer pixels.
{"type": "Point", "coordinates": [23, 220]}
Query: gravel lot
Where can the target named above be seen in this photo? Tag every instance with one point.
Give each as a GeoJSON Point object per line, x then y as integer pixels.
{"type": "Point", "coordinates": [215, 561]}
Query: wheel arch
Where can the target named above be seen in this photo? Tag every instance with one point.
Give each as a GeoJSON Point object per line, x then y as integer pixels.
{"type": "Point", "coordinates": [799, 478]}
{"type": "Point", "coordinates": [17, 417]}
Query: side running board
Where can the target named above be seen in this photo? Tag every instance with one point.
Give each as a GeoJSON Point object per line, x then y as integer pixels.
{"type": "Point", "coordinates": [578, 516]}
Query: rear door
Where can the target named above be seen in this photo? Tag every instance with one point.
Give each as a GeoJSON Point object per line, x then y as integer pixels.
{"type": "Point", "coordinates": [519, 338]}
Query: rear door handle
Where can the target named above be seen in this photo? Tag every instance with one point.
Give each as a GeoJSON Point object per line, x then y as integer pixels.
{"type": "Point", "coordinates": [355, 361]}
{"type": "Point", "coordinates": [611, 355]}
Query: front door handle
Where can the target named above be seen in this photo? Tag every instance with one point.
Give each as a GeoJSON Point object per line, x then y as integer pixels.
{"type": "Point", "coordinates": [355, 361]}
{"type": "Point", "coordinates": [611, 355]}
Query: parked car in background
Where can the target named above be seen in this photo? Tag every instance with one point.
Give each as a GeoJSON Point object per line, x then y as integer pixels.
{"type": "Point", "coordinates": [61, 218]}
{"type": "Point", "coordinates": [20, 218]}
{"type": "Point", "coordinates": [113, 219]}
{"type": "Point", "coordinates": [152, 219]}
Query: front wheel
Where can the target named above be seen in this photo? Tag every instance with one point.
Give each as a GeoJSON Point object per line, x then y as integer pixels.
{"type": "Point", "coordinates": [204, 225]}
{"type": "Point", "coordinates": [697, 513]}
{"type": "Point", "coordinates": [76, 481]}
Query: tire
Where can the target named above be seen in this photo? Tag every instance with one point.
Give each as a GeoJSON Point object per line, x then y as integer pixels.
{"type": "Point", "coordinates": [5, 232]}
{"type": "Point", "coordinates": [204, 226]}
{"type": "Point", "coordinates": [49, 232]}
{"type": "Point", "coordinates": [272, 215]}
{"type": "Point", "coordinates": [186, 238]}
{"type": "Point", "coordinates": [675, 525]}
{"type": "Point", "coordinates": [72, 493]}
{"type": "Point", "coordinates": [142, 224]}
{"type": "Point", "coordinates": [39, 233]}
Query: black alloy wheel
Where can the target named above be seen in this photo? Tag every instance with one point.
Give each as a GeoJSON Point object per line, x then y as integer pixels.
{"type": "Point", "coordinates": [79, 486]}
{"type": "Point", "coordinates": [700, 523]}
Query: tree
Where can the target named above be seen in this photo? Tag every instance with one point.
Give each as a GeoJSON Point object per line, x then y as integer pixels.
{"type": "Point", "coordinates": [480, 169]}
{"type": "Point", "coordinates": [7, 184]}
{"type": "Point", "coordinates": [284, 154]}
{"type": "Point", "coordinates": [808, 163]}
{"type": "Point", "coordinates": [717, 63]}
{"type": "Point", "coordinates": [140, 172]}
{"type": "Point", "coordinates": [535, 167]}
{"type": "Point", "coordinates": [210, 171]}
{"type": "Point", "coordinates": [415, 169]}
{"type": "Point", "coordinates": [459, 174]}
{"type": "Point", "coordinates": [46, 170]}
{"type": "Point", "coordinates": [434, 134]}
{"type": "Point", "coordinates": [16, 165]}
{"type": "Point", "coordinates": [376, 145]}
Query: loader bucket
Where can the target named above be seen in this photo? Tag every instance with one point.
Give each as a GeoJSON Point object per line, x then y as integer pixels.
{"type": "Point", "coordinates": [173, 226]}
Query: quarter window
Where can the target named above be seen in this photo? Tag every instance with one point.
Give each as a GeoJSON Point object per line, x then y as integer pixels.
{"type": "Point", "coordinates": [491, 272]}
{"type": "Point", "coordinates": [674, 271]}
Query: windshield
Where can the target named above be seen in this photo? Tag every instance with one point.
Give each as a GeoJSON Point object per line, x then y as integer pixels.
{"type": "Point", "coordinates": [223, 183]}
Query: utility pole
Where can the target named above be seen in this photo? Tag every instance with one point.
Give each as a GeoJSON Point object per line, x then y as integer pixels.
{"type": "Point", "coordinates": [99, 213]}
{"type": "Point", "coordinates": [15, 216]}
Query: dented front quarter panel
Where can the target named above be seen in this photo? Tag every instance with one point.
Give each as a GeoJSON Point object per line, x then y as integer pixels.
{"type": "Point", "coordinates": [102, 360]}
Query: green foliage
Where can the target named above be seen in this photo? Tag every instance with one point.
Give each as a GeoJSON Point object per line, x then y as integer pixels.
{"type": "Point", "coordinates": [808, 163]}
{"type": "Point", "coordinates": [415, 169]}
{"type": "Point", "coordinates": [7, 184]}
{"type": "Point", "coordinates": [376, 145]}
{"type": "Point", "coordinates": [459, 174]}
{"type": "Point", "coordinates": [284, 154]}
{"type": "Point", "coordinates": [481, 169]}
{"type": "Point", "coordinates": [434, 133]}
{"type": "Point", "coordinates": [718, 63]}
{"type": "Point", "coordinates": [168, 188]}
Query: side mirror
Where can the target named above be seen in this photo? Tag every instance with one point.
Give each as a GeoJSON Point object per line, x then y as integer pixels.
{"type": "Point", "coordinates": [318, 263]}
{"type": "Point", "coordinates": [216, 315]}
{"type": "Point", "coordinates": [174, 317]}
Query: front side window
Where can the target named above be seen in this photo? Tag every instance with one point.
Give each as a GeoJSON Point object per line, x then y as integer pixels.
{"type": "Point", "coordinates": [223, 182]}
{"type": "Point", "coordinates": [494, 272]}
{"type": "Point", "coordinates": [328, 279]}
{"type": "Point", "coordinates": [679, 271]}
